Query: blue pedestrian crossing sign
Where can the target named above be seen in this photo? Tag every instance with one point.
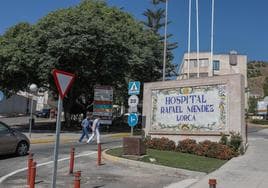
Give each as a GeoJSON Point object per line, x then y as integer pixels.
{"type": "Point", "coordinates": [132, 119]}
{"type": "Point", "coordinates": [134, 88]}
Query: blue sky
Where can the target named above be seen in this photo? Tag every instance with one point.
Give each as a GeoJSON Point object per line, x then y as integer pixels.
{"type": "Point", "coordinates": [240, 25]}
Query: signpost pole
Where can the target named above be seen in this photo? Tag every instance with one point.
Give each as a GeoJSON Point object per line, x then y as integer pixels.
{"type": "Point", "coordinates": [131, 131]}
{"type": "Point", "coordinates": [56, 148]}
{"type": "Point", "coordinates": [31, 118]}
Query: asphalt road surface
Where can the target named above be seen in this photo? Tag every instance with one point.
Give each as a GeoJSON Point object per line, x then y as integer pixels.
{"type": "Point", "coordinates": [110, 175]}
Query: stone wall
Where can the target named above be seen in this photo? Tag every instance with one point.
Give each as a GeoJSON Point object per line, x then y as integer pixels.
{"type": "Point", "coordinates": [196, 108]}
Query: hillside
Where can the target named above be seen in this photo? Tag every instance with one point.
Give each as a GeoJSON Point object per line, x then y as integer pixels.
{"type": "Point", "coordinates": [257, 72]}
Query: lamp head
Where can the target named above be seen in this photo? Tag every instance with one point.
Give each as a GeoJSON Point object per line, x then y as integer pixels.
{"type": "Point", "coordinates": [33, 88]}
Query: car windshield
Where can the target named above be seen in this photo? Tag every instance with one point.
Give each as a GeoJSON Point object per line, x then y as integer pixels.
{"type": "Point", "coordinates": [3, 128]}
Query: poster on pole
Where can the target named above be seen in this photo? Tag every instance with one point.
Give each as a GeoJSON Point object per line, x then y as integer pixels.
{"type": "Point", "coordinates": [103, 103]}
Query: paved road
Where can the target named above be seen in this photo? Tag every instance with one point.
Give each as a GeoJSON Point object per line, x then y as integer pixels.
{"type": "Point", "coordinates": [241, 169]}
{"type": "Point", "coordinates": [44, 153]}
{"type": "Point", "coordinates": [110, 175]}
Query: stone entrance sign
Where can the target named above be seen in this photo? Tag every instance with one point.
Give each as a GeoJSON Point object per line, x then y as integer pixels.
{"type": "Point", "coordinates": [196, 108]}
{"type": "Point", "coordinates": [200, 108]}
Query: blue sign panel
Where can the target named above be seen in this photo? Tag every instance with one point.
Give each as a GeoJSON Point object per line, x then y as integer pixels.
{"type": "Point", "coordinates": [134, 88]}
{"type": "Point", "coordinates": [132, 119]}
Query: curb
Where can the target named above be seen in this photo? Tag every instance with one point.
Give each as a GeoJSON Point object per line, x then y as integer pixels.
{"type": "Point", "coordinates": [66, 140]}
{"type": "Point", "coordinates": [139, 164]}
{"type": "Point", "coordinates": [46, 141]}
{"type": "Point", "coordinates": [120, 135]}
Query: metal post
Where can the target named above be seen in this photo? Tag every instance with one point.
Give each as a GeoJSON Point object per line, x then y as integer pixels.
{"type": "Point", "coordinates": [31, 118]}
{"type": "Point", "coordinates": [165, 43]}
{"type": "Point", "coordinates": [189, 39]}
{"type": "Point", "coordinates": [56, 148]}
{"type": "Point", "coordinates": [77, 179]}
{"type": "Point", "coordinates": [99, 154]}
{"type": "Point", "coordinates": [33, 174]}
{"type": "Point", "coordinates": [71, 169]}
{"type": "Point", "coordinates": [131, 131]}
{"type": "Point", "coordinates": [30, 162]}
{"type": "Point", "coordinates": [197, 39]}
{"type": "Point", "coordinates": [212, 183]}
{"type": "Point", "coordinates": [212, 40]}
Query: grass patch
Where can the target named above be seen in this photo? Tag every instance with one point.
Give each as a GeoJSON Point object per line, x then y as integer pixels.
{"type": "Point", "coordinates": [261, 122]}
{"type": "Point", "coordinates": [118, 152]}
{"type": "Point", "coordinates": [177, 160]}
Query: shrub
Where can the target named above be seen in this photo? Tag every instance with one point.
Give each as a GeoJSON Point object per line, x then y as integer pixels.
{"type": "Point", "coordinates": [217, 150]}
{"type": "Point", "coordinates": [206, 148]}
{"type": "Point", "coordinates": [235, 141]}
{"type": "Point", "coordinates": [200, 150]}
{"type": "Point", "coordinates": [187, 146]}
{"type": "Point", "coordinates": [224, 139]}
{"type": "Point", "coordinates": [160, 144]}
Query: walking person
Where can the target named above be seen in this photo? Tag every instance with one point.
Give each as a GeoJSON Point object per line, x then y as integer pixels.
{"type": "Point", "coordinates": [95, 130]}
{"type": "Point", "coordinates": [86, 124]}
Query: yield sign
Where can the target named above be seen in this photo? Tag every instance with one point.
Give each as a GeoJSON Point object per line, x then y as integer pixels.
{"type": "Point", "coordinates": [63, 80]}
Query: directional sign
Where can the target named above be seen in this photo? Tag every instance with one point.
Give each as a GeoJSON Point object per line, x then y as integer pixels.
{"type": "Point", "coordinates": [63, 81]}
{"type": "Point", "coordinates": [133, 100]}
{"type": "Point", "coordinates": [132, 119]}
{"type": "Point", "coordinates": [132, 109]}
{"type": "Point", "coordinates": [134, 88]}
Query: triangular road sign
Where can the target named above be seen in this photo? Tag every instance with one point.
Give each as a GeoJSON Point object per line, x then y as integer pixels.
{"type": "Point", "coordinates": [134, 87]}
{"type": "Point", "coordinates": [63, 80]}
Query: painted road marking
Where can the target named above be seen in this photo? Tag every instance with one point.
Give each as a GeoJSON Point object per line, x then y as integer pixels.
{"type": "Point", "coordinates": [3, 178]}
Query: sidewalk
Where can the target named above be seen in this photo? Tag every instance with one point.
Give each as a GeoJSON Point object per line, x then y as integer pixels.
{"type": "Point", "coordinates": [247, 171]}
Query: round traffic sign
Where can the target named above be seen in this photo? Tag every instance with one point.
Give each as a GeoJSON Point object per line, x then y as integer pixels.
{"type": "Point", "coordinates": [132, 119]}
{"type": "Point", "coordinates": [133, 100]}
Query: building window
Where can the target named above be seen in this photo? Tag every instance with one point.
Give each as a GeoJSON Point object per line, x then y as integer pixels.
{"type": "Point", "coordinates": [203, 62]}
{"type": "Point", "coordinates": [193, 62]}
{"type": "Point", "coordinates": [216, 65]}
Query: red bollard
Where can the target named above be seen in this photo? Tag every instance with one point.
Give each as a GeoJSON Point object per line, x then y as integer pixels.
{"type": "Point", "coordinates": [212, 183]}
{"type": "Point", "coordinates": [99, 154]}
{"type": "Point", "coordinates": [77, 179]}
{"type": "Point", "coordinates": [71, 169]}
{"type": "Point", "coordinates": [30, 161]}
{"type": "Point", "coordinates": [33, 174]}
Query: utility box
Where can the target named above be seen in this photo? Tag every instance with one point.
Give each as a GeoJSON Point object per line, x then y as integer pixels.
{"type": "Point", "coordinates": [133, 146]}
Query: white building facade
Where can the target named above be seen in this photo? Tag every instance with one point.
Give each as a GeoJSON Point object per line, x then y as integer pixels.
{"type": "Point", "coordinates": [222, 64]}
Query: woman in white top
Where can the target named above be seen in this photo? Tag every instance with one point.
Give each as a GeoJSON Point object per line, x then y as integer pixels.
{"type": "Point", "coordinates": [95, 130]}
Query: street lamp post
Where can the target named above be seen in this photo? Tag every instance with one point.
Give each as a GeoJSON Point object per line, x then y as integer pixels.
{"type": "Point", "coordinates": [33, 88]}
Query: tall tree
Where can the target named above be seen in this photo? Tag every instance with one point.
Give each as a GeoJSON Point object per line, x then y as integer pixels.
{"type": "Point", "coordinates": [100, 44]}
{"type": "Point", "coordinates": [155, 21]}
{"type": "Point", "coordinates": [15, 50]}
